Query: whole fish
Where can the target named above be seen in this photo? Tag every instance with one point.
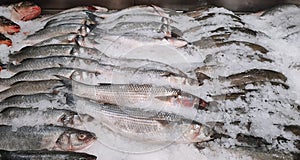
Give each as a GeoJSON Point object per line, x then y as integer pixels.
{"type": "Point", "coordinates": [67, 14]}
{"type": "Point", "coordinates": [58, 30]}
{"type": "Point", "coordinates": [33, 87]}
{"type": "Point", "coordinates": [135, 95]}
{"type": "Point", "coordinates": [108, 23]}
{"type": "Point", "coordinates": [34, 116]}
{"type": "Point", "coordinates": [29, 100]}
{"type": "Point", "coordinates": [36, 75]}
{"type": "Point", "coordinates": [55, 50]}
{"type": "Point", "coordinates": [153, 128]}
{"type": "Point", "coordinates": [75, 20]}
{"type": "Point", "coordinates": [113, 45]}
{"type": "Point", "coordinates": [142, 9]}
{"type": "Point", "coordinates": [4, 40]}
{"type": "Point", "coordinates": [130, 27]}
{"type": "Point", "coordinates": [8, 26]}
{"type": "Point", "coordinates": [25, 11]}
{"type": "Point", "coordinates": [44, 137]}
{"type": "Point", "coordinates": [44, 155]}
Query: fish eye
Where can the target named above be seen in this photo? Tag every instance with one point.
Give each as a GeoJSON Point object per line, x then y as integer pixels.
{"type": "Point", "coordinates": [81, 136]}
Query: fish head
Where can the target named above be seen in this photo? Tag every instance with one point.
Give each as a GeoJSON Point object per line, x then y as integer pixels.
{"type": "Point", "coordinates": [74, 139]}
{"type": "Point", "coordinates": [197, 132]}
{"type": "Point", "coordinates": [26, 11]}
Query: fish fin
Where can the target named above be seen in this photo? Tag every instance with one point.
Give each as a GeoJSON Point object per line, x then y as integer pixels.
{"type": "Point", "coordinates": [163, 122]}
{"type": "Point", "coordinates": [165, 98]}
{"type": "Point", "coordinates": [66, 81]}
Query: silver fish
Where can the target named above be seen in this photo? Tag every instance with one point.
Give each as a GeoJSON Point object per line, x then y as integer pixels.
{"type": "Point", "coordinates": [28, 100]}
{"type": "Point", "coordinates": [35, 75]}
{"type": "Point", "coordinates": [33, 87]}
{"type": "Point", "coordinates": [130, 27]}
{"type": "Point", "coordinates": [44, 137]}
{"type": "Point", "coordinates": [55, 50]}
{"type": "Point", "coordinates": [63, 39]}
{"type": "Point", "coordinates": [72, 20]}
{"type": "Point", "coordinates": [62, 29]}
{"type": "Point", "coordinates": [45, 155]}
{"type": "Point", "coordinates": [154, 128]}
{"type": "Point", "coordinates": [135, 95]}
{"type": "Point", "coordinates": [34, 116]}
{"type": "Point", "coordinates": [143, 17]}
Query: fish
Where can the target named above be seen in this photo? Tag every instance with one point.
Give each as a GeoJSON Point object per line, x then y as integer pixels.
{"type": "Point", "coordinates": [254, 47]}
{"type": "Point", "coordinates": [130, 27]}
{"type": "Point", "coordinates": [29, 100]}
{"type": "Point", "coordinates": [113, 45]}
{"type": "Point", "coordinates": [34, 116]}
{"type": "Point", "coordinates": [5, 41]}
{"type": "Point", "coordinates": [25, 11]}
{"type": "Point", "coordinates": [135, 94]}
{"type": "Point", "coordinates": [255, 75]}
{"type": "Point", "coordinates": [45, 155]}
{"type": "Point", "coordinates": [55, 50]}
{"type": "Point", "coordinates": [213, 15]}
{"type": "Point", "coordinates": [8, 26]}
{"type": "Point", "coordinates": [32, 87]}
{"type": "Point", "coordinates": [49, 137]}
{"type": "Point", "coordinates": [141, 17]}
{"type": "Point", "coordinates": [141, 9]}
{"type": "Point", "coordinates": [67, 14]}
{"type": "Point", "coordinates": [35, 75]}
{"type": "Point", "coordinates": [157, 127]}
{"type": "Point", "coordinates": [75, 20]}
{"type": "Point", "coordinates": [46, 33]}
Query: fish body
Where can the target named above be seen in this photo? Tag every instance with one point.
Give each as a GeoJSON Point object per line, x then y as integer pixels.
{"type": "Point", "coordinates": [135, 95]}
{"type": "Point", "coordinates": [8, 26]}
{"type": "Point", "coordinates": [36, 75]}
{"type": "Point", "coordinates": [34, 116]}
{"type": "Point", "coordinates": [25, 11]}
{"type": "Point", "coordinates": [55, 50]}
{"type": "Point", "coordinates": [28, 100]}
{"type": "Point", "coordinates": [157, 127]}
{"type": "Point", "coordinates": [58, 30]}
{"type": "Point", "coordinates": [44, 137]}
{"type": "Point", "coordinates": [45, 155]}
{"type": "Point", "coordinates": [31, 87]}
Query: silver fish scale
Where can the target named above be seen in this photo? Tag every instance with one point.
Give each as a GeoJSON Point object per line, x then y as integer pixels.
{"type": "Point", "coordinates": [33, 87]}
{"type": "Point", "coordinates": [41, 51]}
{"type": "Point", "coordinates": [47, 33]}
{"type": "Point", "coordinates": [35, 75]}
{"type": "Point", "coordinates": [20, 100]}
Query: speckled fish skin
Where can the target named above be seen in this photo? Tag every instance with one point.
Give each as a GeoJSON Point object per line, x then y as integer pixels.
{"type": "Point", "coordinates": [45, 155]}
{"type": "Point", "coordinates": [31, 87]}
{"type": "Point", "coordinates": [134, 94]}
{"type": "Point", "coordinates": [49, 32]}
{"type": "Point", "coordinates": [70, 38]}
{"type": "Point", "coordinates": [72, 20]}
{"type": "Point", "coordinates": [56, 50]}
{"type": "Point", "coordinates": [44, 137]}
{"type": "Point", "coordinates": [154, 128]}
{"type": "Point", "coordinates": [28, 100]}
{"type": "Point", "coordinates": [34, 116]}
{"type": "Point", "coordinates": [37, 75]}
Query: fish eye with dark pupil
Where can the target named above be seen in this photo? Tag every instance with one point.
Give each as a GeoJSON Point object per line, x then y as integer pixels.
{"type": "Point", "coordinates": [81, 136]}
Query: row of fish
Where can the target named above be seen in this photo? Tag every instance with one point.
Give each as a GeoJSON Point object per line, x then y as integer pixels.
{"type": "Point", "coordinates": [76, 63]}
